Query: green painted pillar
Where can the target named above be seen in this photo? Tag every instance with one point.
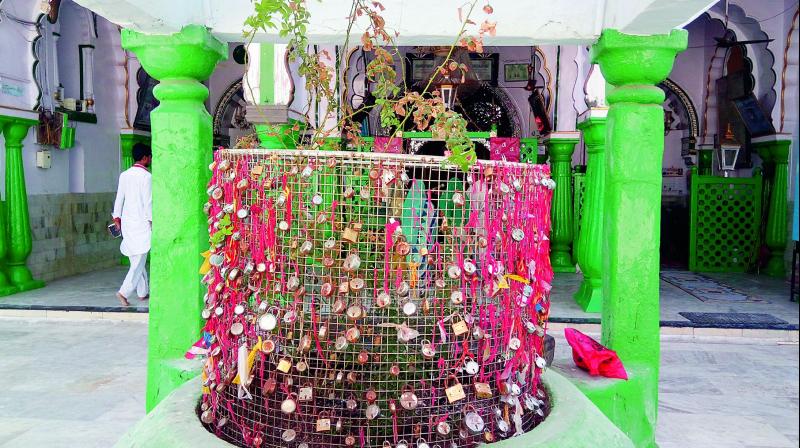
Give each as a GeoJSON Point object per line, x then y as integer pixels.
{"type": "Point", "coordinates": [634, 65]}
{"type": "Point", "coordinates": [774, 149]}
{"type": "Point", "coordinates": [560, 146]}
{"type": "Point", "coordinates": [182, 151]}
{"type": "Point", "coordinates": [589, 246]}
{"type": "Point", "coordinates": [19, 242]}
{"type": "Point", "coordinates": [6, 288]}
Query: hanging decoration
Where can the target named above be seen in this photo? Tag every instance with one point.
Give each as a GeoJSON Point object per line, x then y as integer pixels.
{"type": "Point", "coordinates": [374, 300]}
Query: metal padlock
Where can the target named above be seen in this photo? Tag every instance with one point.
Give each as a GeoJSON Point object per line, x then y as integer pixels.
{"type": "Point", "coordinates": [443, 428]}
{"type": "Point", "coordinates": [483, 390]}
{"type": "Point", "coordinates": [427, 349]}
{"type": "Point", "coordinates": [289, 405]}
{"type": "Point", "coordinates": [350, 235]}
{"type": "Point", "coordinates": [284, 365]}
{"type": "Point", "coordinates": [372, 412]}
{"type": "Point", "coordinates": [454, 392]}
{"type": "Point", "coordinates": [408, 399]}
{"type": "Point", "coordinates": [473, 421]}
{"type": "Point", "coordinates": [306, 393]}
{"type": "Point", "coordinates": [471, 366]}
{"type": "Point", "coordinates": [383, 300]}
{"type": "Point", "coordinates": [460, 327]}
{"type": "Point", "coordinates": [323, 422]}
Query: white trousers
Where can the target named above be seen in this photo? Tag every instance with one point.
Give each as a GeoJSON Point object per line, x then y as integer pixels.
{"type": "Point", "coordinates": [136, 280]}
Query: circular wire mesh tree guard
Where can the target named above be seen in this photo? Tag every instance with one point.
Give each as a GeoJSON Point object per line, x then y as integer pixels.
{"type": "Point", "coordinates": [374, 300]}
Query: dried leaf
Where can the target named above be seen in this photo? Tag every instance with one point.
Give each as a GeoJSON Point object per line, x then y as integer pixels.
{"type": "Point", "coordinates": [489, 27]}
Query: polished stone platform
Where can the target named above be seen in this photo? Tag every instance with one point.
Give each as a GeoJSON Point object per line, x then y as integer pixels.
{"type": "Point", "coordinates": [81, 384]}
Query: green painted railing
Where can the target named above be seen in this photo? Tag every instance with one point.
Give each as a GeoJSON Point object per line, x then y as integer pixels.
{"type": "Point", "coordinates": [725, 222]}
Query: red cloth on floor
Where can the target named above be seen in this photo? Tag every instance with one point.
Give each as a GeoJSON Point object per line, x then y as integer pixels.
{"type": "Point", "coordinates": [593, 357]}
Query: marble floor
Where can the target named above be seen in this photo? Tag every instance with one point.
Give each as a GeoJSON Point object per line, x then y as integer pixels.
{"type": "Point", "coordinates": [767, 295]}
{"type": "Point", "coordinates": [95, 292]}
{"type": "Point", "coordinates": [81, 384]}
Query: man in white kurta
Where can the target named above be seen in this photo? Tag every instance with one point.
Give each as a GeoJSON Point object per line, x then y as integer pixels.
{"type": "Point", "coordinates": [133, 213]}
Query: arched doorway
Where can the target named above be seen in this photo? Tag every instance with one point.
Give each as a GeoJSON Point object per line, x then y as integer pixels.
{"type": "Point", "coordinates": [230, 120]}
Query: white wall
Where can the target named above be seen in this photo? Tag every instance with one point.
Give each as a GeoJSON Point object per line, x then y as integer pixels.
{"type": "Point", "coordinates": [92, 165]}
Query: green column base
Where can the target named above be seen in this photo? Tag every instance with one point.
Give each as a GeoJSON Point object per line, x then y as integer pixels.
{"type": "Point", "coordinates": [561, 259]}
{"type": "Point", "coordinates": [776, 266]}
{"type": "Point", "coordinates": [7, 290]}
{"type": "Point", "coordinates": [590, 295]}
{"type": "Point", "coordinates": [22, 279]}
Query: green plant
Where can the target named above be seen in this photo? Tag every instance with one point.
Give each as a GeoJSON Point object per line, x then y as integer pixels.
{"type": "Point", "coordinates": [397, 104]}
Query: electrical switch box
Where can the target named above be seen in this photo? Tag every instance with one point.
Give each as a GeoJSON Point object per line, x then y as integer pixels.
{"type": "Point", "coordinates": [43, 159]}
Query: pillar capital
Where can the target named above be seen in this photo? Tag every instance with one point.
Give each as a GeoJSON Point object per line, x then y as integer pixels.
{"type": "Point", "coordinates": [635, 64]}
{"type": "Point", "coordinates": [15, 128]}
{"type": "Point", "coordinates": [561, 145]}
{"type": "Point", "coordinates": [773, 148]}
{"type": "Point", "coordinates": [592, 125]}
{"type": "Point", "coordinates": [191, 53]}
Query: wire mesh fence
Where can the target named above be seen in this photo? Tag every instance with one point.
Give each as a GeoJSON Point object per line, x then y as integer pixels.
{"type": "Point", "coordinates": [374, 300]}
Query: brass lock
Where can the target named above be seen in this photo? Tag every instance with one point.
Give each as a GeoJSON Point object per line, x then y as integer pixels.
{"type": "Point", "coordinates": [483, 390]}
{"type": "Point", "coordinates": [454, 392]}
{"type": "Point", "coordinates": [323, 422]}
{"type": "Point", "coordinates": [284, 365]}
{"type": "Point", "coordinates": [460, 327]}
{"type": "Point", "coordinates": [350, 235]}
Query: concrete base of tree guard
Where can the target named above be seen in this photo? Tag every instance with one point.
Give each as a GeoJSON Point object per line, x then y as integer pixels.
{"type": "Point", "coordinates": [574, 422]}
{"type": "Point", "coordinates": [625, 403]}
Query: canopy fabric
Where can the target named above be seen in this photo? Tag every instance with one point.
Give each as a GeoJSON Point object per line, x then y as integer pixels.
{"type": "Point", "coordinates": [418, 22]}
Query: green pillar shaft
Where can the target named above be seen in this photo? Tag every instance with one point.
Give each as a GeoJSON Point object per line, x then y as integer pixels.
{"type": "Point", "coordinates": [6, 288]}
{"type": "Point", "coordinates": [126, 142]}
{"type": "Point", "coordinates": [632, 208]}
{"type": "Point", "coordinates": [776, 153]}
{"type": "Point", "coordinates": [20, 240]}
{"type": "Point", "coordinates": [560, 149]}
{"type": "Point", "coordinates": [589, 246]}
{"type": "Point", "coordinates": [182, 149]}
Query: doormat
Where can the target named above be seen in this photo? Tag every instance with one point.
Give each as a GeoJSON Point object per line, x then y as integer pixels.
{"type": "Point", "coordinates": [706, 289]}
{"type": "Point", "coordinates": [733, 319]}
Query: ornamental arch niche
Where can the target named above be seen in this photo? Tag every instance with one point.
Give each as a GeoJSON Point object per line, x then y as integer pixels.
{"type": "Point", "coordinates": [680, 115]}
{"type": "Point", "coordinates": [738, 26]}
{"type": "Point", "coordinates": [230, 117]}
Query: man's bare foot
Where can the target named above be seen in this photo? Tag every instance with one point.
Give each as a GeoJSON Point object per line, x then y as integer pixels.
{"type": "Point", "coordinates": [123, 300]}
{"type": "Point", "coordinates": [144, 298]}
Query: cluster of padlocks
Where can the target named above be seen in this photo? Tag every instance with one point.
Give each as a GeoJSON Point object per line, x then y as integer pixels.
{"type": "Point", "coordinates": [374, 300]}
